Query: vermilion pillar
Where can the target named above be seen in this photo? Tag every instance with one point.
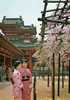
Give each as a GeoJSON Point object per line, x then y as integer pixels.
{"type": "Point", "coordinates": [8, 64]}
{"type": "Point", "coordinates": [30, 62]}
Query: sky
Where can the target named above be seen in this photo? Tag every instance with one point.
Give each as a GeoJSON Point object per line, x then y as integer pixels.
{"type": "Point", "coordinates": [30, 10]}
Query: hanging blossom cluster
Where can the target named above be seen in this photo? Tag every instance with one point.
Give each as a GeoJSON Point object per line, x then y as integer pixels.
{"type": "Point", "coordinates": [55, 43]}
{"type": "Point", "coordinates": [58, 43]}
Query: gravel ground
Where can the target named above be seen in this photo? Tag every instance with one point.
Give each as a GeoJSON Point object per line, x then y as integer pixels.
{"type": "Point", "coordinates": [5, 91]}
{"type": "Point", "coordinates": [43, 92]}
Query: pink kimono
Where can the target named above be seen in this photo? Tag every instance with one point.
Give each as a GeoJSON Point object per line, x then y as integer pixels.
{"type": "Point", "coordinates": [27, 83]}
{"type": "Point", "coordinates": [17, 85]}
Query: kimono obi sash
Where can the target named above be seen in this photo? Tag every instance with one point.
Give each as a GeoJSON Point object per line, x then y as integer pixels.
{"type": "Point", "coordinates": [25, 78]}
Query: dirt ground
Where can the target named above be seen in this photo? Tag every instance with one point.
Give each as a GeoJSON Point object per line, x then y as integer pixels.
{"type": "Point", "coordinates": [43, 92]}
{"type": "Point", "coordinates": [5, 91]}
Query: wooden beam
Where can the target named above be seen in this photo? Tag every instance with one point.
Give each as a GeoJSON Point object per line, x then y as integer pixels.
{"type": "Point", "coordinates": [51, 20]}
{"type": "Point", "coordinates": [43, 16]}
{"type": "Point", "coordinates": [52, 10]}
{"type": "Point", "coordinates": [57, 9]}
{"type": "Point", "coordinates": [5, 51]}
{"type": "Point", "coordinates": [66, 2]}
{"type": "Point", "coordinates": [54, 1]}
{"type": "Point", "coordinates": [9, 46]}
{"type": "Point", "coordinates": [57, 15]}
{"type": "Point", "coordinates": [5, 55]}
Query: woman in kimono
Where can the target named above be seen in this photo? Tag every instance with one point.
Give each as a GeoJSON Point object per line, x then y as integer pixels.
{"type": "Point", "coordinates": [17, 84]}
{"type": "Point", "coordinates": [27, 81]}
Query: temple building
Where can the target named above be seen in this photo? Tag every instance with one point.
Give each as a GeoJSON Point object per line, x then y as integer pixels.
{"type": "Point", "coordinates": [21, 36]}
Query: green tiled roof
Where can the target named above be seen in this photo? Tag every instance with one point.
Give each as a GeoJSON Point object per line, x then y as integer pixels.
{"type": "Point", "coordinates": [19, 42]}
{"type": "Point", "coordinates": [13, 20]}
{"type": "Point", "coordinates": [25, 45]}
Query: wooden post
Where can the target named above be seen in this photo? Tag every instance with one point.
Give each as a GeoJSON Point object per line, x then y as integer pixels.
{"type": "Point", "coordinates": [53, 79]}
{"type": "Point", "coordinates": [8, 63]}
{"type": "Point", "coordinates": [48, 81]}
{"type": "Point", "coordinates": [30, 61]}
{"type": "Point", "coordinates": [59, 75]}
{"type": "Point", "coordinates": [1, 67]}
{"type": "Point", "coordinates": [62, 74]}
{"type": "Point", "coordinates": [34, 88]}
{"type": "Point", "coordinates": [69, 78]}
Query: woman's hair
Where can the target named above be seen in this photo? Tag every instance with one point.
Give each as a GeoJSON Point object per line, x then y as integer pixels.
{"type": "Point", "coordinates": [17, 63]}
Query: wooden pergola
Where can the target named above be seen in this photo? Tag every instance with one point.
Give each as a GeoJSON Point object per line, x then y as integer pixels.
{"type": "Point", "coordinates": [59, 16]}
